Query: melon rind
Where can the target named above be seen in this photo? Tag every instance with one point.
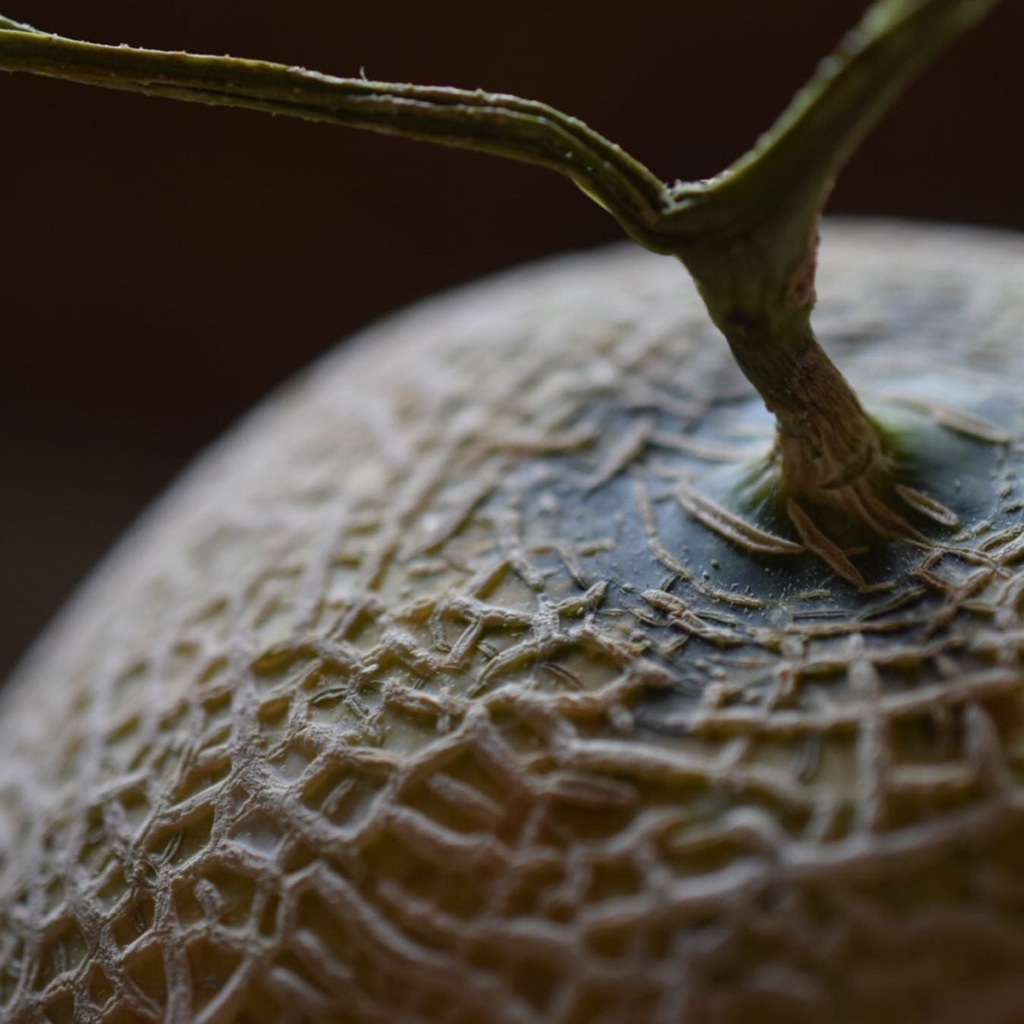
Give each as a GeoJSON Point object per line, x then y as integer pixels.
{"type": "Point", "coordinates": [424, 698]}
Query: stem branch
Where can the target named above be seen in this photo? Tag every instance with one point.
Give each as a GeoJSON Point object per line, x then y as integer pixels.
{"type": "Point", "coordinates": [748, 236]}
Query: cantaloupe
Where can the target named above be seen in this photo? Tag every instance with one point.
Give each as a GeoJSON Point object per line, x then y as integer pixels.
{"type": "Point", "coordinates": [429, 696]}
{"type": "Point", "coordinates": [515, 667]}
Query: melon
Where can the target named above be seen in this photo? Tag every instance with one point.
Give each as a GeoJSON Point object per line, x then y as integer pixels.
{"type": "Point", "coordinates": [522, 664]}
{"type": "Point", "coordinates": [447, 689]}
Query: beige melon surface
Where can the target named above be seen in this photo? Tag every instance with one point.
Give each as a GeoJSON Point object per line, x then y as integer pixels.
{"type": "Point", "coordinates": [425, 698]}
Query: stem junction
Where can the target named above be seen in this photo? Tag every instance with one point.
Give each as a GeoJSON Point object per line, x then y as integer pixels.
{"type": "Point", "coordinates": [747, 236]}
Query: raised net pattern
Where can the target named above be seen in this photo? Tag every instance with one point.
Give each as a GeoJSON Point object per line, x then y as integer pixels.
{"type": "Point", "coordinates": [426, 701]}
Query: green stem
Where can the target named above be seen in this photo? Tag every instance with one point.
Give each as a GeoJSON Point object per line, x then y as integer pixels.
{"type": "Point", "coordinates": [753, 249]}
{"type": "Point", "coordinates": [781, 182]}
{"type": "Point", "coordinates": [485, 122]}
{"type": "Point", "coordinates": [9, 25]}
{"type": "Point", "coordinates": [748, 236]}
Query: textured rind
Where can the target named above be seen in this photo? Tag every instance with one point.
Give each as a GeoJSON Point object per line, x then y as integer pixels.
{"type": "Point", "coordinates": [422, 698]}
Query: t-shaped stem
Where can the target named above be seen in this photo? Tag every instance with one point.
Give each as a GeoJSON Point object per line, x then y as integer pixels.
{"type": "Point", "coordinates": [748, 236]}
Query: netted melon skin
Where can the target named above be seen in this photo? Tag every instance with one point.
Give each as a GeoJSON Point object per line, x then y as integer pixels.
{"type": "Point", "coordinates": [423, 698]}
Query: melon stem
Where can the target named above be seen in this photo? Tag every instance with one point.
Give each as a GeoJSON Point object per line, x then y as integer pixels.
{"type": "Point", "coordinates": [748, 236]}
{"type": "Point", "coordinates": [829, 456]}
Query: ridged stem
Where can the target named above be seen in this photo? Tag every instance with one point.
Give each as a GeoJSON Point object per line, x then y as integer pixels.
{"type": "Point", "coordinates": [748, 236]}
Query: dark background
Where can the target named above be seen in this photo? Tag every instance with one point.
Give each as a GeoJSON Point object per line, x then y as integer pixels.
{"type": "Point", "coordinates": [163, 265]}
